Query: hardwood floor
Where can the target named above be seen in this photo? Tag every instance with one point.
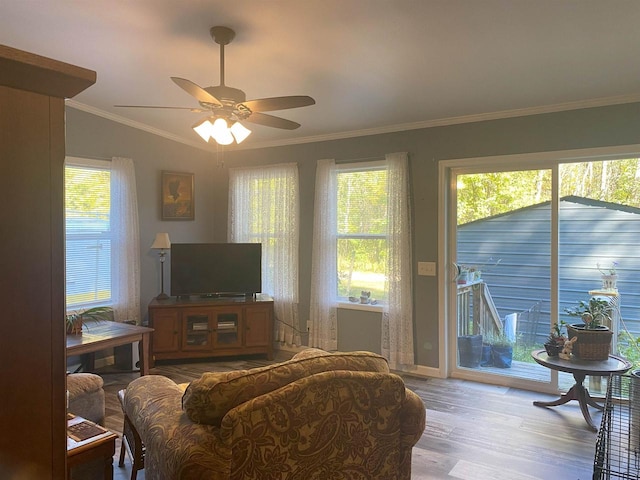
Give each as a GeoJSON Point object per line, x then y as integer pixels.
{"type": "Point", "coordinates": [474, 431]}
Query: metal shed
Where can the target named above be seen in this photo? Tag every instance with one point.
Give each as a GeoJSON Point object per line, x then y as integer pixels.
{"type": "Point", "coordinates": [591, 232]}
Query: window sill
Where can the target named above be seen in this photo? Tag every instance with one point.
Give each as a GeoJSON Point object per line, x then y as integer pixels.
{"type": "Point", "coordinates": [360, 306]}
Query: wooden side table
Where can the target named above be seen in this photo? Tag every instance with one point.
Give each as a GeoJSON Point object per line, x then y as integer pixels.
{"type": "Point", "coordinates": [98, 449]}
{"type": "Point", "coordinates": [580, 369]}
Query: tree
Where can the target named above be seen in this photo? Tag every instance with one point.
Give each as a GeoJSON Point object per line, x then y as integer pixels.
{"type": "Point", "coordinates": [87, 193]}
{"type": "Point", "coordinates": [487, 194]}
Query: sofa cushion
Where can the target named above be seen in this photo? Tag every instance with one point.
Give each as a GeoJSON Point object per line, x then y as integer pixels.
{"type": "Point", "coordinates": [81, 383]}
{"type": "Point", "coordinates": [209, 398]}
{"type": "Point", "coordinates": [86, 396]}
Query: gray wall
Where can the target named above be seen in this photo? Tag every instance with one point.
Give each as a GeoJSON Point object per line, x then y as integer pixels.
{"type": "Point", "coordinates": [586, 128]}
{"type": "Point", "coordinates": [95, 137]}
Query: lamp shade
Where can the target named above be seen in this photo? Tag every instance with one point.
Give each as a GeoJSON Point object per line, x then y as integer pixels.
{"type": "Point", "coordinates": [240, 132]}
{"type": "Point", "coordinates": [204, 129]}
{"type": "Point", "coordinates": [219, 130]}
{"type": "Point", "coordinates": [162, 241]}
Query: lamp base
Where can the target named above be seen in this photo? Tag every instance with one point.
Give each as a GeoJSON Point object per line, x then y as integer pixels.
{"type": "Point", "coordinates": [162, 296]}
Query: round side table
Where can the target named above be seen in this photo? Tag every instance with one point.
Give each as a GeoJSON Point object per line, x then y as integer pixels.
{"type": "Point", "coordinates": [614, 365]}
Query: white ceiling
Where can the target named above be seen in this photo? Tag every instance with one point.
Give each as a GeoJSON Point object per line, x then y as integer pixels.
{"type": "Point", "coordinates": [371, 65]}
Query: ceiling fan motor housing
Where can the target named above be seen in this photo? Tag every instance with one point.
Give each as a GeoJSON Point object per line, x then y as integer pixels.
{"type": "Point", "coordinates": [227, 95]}
{"type": "Point", "coordinates": [231, 99]}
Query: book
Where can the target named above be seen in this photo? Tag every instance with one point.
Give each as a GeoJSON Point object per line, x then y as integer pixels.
{"type": "Point", "coordinates": [83, 430]}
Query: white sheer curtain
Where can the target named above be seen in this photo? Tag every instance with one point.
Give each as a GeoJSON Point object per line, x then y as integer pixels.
{"type": "Point", "coordinates": [125, 243]}
{"type": "Point", "coordinates": [323, 313]}
{"type": "Point", "coordinates": [397, 318]}
{"type": "Point", "coordinates": [263, 208]}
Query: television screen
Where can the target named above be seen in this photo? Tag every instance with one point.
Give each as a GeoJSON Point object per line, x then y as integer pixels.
{"type": "Point", "coordinates": [216, 268]}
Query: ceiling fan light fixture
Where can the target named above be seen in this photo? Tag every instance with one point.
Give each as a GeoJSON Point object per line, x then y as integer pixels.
{"type": "Point", "coordinates": [240, 132]}
{"type": "Point", "coordinates": [204, 129]}
{"type": "Point", "coordinates": [221, 133]}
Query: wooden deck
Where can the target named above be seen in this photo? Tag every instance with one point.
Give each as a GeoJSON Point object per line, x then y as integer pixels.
{"type": "Point", "coordinates": [538, 373]}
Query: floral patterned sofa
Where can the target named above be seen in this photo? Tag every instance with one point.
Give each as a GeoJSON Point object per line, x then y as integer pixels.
{"type": "Point", "coordinates": [317, 416]}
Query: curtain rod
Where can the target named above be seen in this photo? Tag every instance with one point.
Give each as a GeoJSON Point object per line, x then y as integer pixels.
{"type": "Point", "coordinates": [90, 157]}
{"type": "Point", "coordinates": [363, 159]}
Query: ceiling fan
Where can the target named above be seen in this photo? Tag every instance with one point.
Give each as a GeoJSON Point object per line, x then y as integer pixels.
{"type": "Point", "coordinates": [229, 105]}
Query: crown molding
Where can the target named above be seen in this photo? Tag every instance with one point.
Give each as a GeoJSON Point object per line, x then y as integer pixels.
{"type": "Point", "coordinates": [132, 123]}
{"type": "Point", "coordinates": [481, 117]}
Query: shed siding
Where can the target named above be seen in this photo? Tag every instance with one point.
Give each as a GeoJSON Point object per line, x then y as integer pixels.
{"type": "Point", "coordinates": [591, 232]}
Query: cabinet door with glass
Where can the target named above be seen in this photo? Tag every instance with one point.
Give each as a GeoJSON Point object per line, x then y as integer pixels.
{"type": "Point", "coordinates": [226, 322]}
{"type": "Point", "coordinates": [197, 325]}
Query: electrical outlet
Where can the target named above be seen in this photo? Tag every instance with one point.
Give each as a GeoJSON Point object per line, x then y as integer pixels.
{"type": "Point", "coordinates": [427, 269]}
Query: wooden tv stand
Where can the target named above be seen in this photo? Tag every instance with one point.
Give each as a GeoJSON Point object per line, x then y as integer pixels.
{"type": "Point", "coordinates": [210, 327]}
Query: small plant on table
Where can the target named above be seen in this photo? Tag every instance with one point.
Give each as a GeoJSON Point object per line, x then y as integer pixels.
{"type": "Point", "coordinates": [555, 340]}
{"type": "Point", "coordinates": [74, 319]}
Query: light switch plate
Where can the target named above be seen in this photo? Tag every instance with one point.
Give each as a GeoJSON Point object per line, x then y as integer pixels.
{"type": "Point", "coordinates": [427, 269]}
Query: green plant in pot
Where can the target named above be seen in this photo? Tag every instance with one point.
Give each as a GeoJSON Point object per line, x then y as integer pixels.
{"type": "Point", "coordinates": [501, 350]}
{"type": "Point", "coordinates": [74, 320]}
{"type": "Point", "coordinates": [594, 338]}
{"type": "Point", "coordinates": [555, 340]}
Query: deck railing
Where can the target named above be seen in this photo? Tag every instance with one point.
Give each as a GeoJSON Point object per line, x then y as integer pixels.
{"type": "Point", "coordinates": [477, 314]}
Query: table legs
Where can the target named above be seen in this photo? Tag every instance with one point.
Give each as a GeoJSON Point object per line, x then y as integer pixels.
{"type": "Point", "coordinates": [581, 394]}
{"type": "Point", "coordinates": [144, 356]}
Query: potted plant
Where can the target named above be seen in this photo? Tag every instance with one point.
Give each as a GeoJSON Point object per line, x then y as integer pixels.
{"type": "Point", "coordinates": [74, 319]}
{"type": "Point", "coordinates": [594, 338]}
{"type": "Point", "coordinates": [499, 352]}
{"type": "Point", "coordinates": [609, 276]}
{"type": "Point", "coordinates": [469, 350]}
{"type": "Point", "coordinates": [555, 340]}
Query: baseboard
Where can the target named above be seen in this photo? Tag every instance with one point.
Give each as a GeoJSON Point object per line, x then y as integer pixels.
{"type": "Point", "coordinates": [418, 371]}
{"type": "Point", "coordinates": [422, 371]}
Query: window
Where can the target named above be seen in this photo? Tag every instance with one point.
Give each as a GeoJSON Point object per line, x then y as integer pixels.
{"type": "Point", "coordinates": [102, 238]}
{"type": "Point", "coordinates": [88, 233]}
{"type": "Point", "coordinates": [362, 242]}
{"type": "Point", "coordinates": [361, 231]}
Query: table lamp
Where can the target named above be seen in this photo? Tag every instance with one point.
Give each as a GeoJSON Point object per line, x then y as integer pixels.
{"type": "Point", "coordinates": [161, 243]}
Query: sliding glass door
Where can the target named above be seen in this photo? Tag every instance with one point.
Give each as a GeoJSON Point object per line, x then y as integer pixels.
{"type": "Point", "coordinates": [525, 244]}
{"type": "Point", "coordinates": [504, 232]}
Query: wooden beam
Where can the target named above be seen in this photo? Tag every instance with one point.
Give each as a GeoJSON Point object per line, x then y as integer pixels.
{"type": "Point", "coordinates": [27, 71]}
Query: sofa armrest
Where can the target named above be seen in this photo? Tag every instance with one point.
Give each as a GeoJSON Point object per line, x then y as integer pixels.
{"type": "Point", "coordinates": [413, 418]}
{"type": "Point", "coordinates": [176, 448]}
{"type": "Point", "coordinates": [412, 423]}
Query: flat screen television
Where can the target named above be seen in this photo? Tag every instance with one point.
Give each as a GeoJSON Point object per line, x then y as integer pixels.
{"type": "Point", "coordinates": [213, 269]}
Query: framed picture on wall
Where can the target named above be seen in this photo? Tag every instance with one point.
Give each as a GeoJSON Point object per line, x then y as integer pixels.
{"type": "Point", "coordinates": [178, 201]}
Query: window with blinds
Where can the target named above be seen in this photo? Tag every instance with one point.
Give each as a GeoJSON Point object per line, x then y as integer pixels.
{"type": "Point", "coordinates": [362, 231]}
{"type": "Point", "coordinates": [88, 233]}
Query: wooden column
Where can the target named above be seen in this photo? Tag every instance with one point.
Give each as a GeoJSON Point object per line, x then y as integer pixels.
{"type": "Point", "coordinates": [32, 333]}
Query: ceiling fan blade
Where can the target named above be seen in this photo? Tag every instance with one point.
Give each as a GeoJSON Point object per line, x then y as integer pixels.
{"type": "Point", "coordinates": [196, 91]}
{"type": "Point", "coordinates": [194, 110]}
{"type": "Point", "coordinates": [278, 103]}
{"type": "Point", "coordinates": [271, 121]}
